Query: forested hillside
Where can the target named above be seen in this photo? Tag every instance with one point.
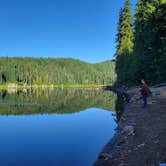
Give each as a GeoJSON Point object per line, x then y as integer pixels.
{"type": "Point", "coordinates": [47, 71]}
{"type": "Point", "coordinates": [141, 43]}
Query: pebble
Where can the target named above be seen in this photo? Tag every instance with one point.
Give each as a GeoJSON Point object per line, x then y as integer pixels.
{"type": "Point", "coordinates": [128, 130]}
{"type": "Point", "coordinates": [105, 156]}
{"type": "Point", "coordinates": [141, 145]}
{"type": "Point", "coordinates": [156, 141]}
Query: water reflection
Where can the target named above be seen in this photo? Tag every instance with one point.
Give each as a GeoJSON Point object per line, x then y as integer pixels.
{"type": "Point", "coordinates": [34, 101]}
{"type": "Point", "coordinates": [4, 92]}
{"type": "Point", "coordinates": [121, 100]}
{"type": "Point", "coordinates": [57, 127]}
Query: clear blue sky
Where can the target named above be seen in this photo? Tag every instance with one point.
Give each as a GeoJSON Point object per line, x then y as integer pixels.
{"type": "Point", "coordinates": [81, 29]}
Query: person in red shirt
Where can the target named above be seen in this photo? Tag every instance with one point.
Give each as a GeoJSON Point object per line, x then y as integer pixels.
{"type": "Point", "coordinates": [145, 92]}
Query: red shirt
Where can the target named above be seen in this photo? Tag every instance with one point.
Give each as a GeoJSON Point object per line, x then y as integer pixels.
{"type": "Point", "coordinates": [145, 89]}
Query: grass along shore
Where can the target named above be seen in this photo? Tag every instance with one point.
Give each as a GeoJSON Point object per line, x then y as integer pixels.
{"type": "Point", "coordinates": [17, 86]}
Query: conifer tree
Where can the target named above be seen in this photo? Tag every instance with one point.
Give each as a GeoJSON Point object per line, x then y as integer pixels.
{"type": "Point", "coordinates": [124, 44]}
{"type": "Point", "coordinates": [149, 44]}
{"type": "Point", "coordinates": [140, 19]}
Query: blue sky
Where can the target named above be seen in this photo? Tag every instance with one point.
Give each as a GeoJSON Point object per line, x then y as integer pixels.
{"type": "Point", "coordinates": [81, 29]}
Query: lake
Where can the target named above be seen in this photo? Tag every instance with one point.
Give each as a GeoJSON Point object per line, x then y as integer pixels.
{"type": "Point", "coordinates": [55, 127]}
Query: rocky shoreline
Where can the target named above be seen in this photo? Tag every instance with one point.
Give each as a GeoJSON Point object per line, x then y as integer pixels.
{"type": "Point", "coordinates": [140, 139]}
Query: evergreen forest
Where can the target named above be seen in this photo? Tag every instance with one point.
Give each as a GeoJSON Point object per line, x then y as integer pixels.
{"type": "Point", "coordinates": [50, 71]}
{"type": "Point", "coordinates": [141, 43]}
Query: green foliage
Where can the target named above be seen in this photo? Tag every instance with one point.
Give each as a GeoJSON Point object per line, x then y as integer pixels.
{"type": "Point", "coordinates": [150, 41]}
{"type": "Point", "coordinates": [39, 71]}
{"type": "Point", "coordinates": [124, 44]}
{"type": "Point", "coordinates": [148, 58]}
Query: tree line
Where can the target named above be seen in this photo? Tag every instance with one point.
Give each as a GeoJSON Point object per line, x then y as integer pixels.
{"type": "Point", "coordinates": [47, 71]}
{"type": "Point", "coordinates": [141, 43]}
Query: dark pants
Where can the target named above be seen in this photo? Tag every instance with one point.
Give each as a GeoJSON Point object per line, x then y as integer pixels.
{"type": "Point", "coordinates": [144, 97]}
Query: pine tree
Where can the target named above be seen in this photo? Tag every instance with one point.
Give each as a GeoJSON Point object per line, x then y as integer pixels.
{"type": "Point", "coordinates": [119, 35]}
{"type": "Point", "coordinates": [149, 43]}
{"type": "Point", "coordinates": [155, 52]}
{"type": "Point", "coordinates": [139, 24]}
{"type": "Point", "coordinates": [124, 44]}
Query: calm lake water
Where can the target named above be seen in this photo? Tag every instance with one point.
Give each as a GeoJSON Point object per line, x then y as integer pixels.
{"type": "Point", "coordinates": [55, 127]}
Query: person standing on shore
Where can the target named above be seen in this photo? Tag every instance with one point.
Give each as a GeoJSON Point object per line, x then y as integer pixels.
{"type": "Point", "coordinates": [145, 92]}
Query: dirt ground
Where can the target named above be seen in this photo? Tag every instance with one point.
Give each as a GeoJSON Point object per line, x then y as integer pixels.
{"type": "Point", "coordinates": [141, 135]}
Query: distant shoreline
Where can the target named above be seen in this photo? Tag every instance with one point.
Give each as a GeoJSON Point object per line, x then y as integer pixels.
{"type": "Point", "coordinates": [14, 86]}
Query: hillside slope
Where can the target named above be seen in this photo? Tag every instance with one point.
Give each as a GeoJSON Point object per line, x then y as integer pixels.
{"type": "Point", "coordinates": [55, 71]}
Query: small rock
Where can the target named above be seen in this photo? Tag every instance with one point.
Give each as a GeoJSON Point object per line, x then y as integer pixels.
{"type": "Point", "coordinates": [133, 124]}
{"type": "Point", "coordinates": [123, 119]}
{"type": "Point", "coordinates": [150, 102]}
{"type": "Point", "coordinates": [105, 156]}
{"type": "Point", "coordinates": [113, 114]}
{"type": "Point", "coordinates": [141, 145]}
{"type": "Point", "coordinates": [156, 141]}
{"type": "Point", "coordinates": [128, 130]}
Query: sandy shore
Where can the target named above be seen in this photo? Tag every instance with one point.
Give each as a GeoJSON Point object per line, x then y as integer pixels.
{"type": "Point", "coordinates": [141, 136]}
